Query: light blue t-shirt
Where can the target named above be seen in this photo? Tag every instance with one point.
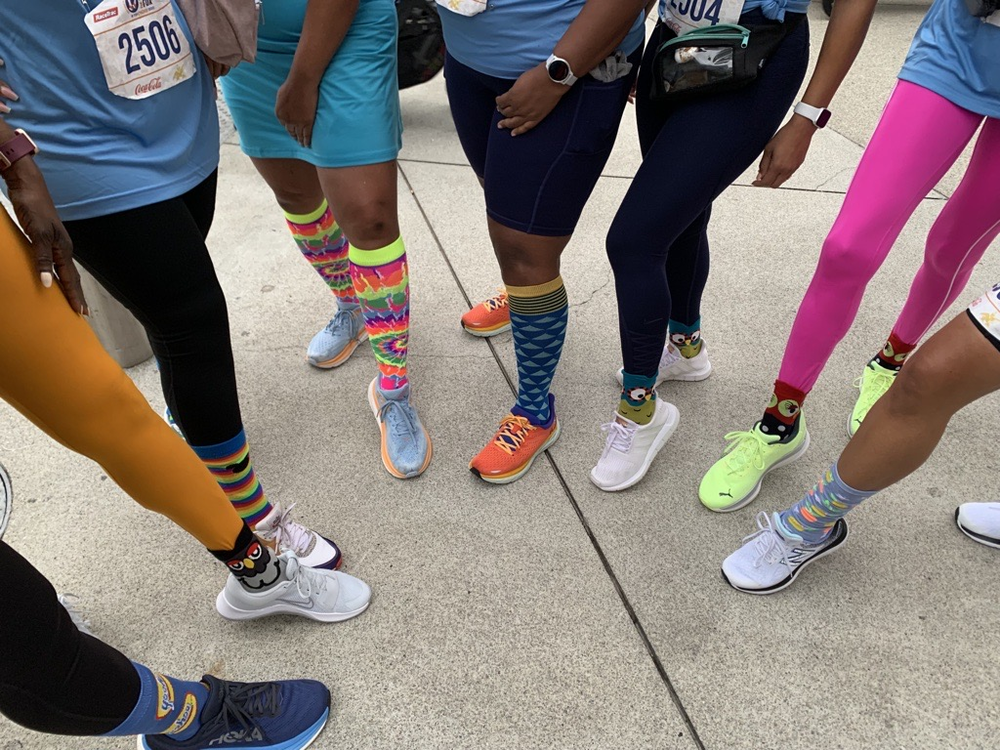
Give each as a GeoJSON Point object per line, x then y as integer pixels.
{"type": "Point", "coordinates": [957, 56]}
{"type": "Point", "coordinates": [773, 9]}
{"type": "Point", "coordinates": [101, 153]}
{"type": "Point", "coordinates": [512, 36]}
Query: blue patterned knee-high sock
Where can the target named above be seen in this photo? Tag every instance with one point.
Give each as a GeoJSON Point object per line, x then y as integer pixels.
{"type": "Point", "coordinates": [538, 316]}
{"type": "Point", "coordinates": [812, 517]}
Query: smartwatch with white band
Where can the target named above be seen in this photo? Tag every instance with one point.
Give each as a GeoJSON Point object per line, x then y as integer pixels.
{"type": "Point", "coordinates": [560, 71]}
{"type": "Point", "coordinates": [818, 116]}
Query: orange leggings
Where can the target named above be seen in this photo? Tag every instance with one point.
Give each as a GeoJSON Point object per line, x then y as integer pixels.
{"type": "Point", "coordinates": [54, 371]}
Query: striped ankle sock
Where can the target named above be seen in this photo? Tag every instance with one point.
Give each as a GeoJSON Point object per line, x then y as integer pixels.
{"type": "Point", "coordinates": [230, 464]}
{"type": "Point", "coordinates": [538, 317]}
{"type": "Point", "coordinates": [321, 242]}
{"type": "Point", "coordinates": [686, 338]}
{"type": "Point", "coordinates": [382, 282]}
{"type": "Point", "coordinates": [812, 517]}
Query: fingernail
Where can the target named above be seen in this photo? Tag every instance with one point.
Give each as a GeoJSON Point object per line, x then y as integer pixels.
{"type": "Point", "coordinates": [4, 109]}
{"type": "Point", "coordinates": [46, 279]}
{"type": "Point", "coordinates": [9, 93]}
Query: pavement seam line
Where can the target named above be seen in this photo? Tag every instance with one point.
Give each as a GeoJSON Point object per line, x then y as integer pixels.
{"type": "Point", "coordinates": [609, 571]}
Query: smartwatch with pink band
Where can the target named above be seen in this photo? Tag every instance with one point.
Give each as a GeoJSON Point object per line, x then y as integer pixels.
{"type": "Point", "coordinates": [16, 148]}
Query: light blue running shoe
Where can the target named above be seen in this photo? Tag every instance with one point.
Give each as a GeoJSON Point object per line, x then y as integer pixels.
{"type": "Point", "coordinates": [406, 446]}
{"type": "Point", "coordinates": [335, 344]}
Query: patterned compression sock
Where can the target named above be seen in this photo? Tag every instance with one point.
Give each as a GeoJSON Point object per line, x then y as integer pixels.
{"type": "Point", "coordinates": [894, 353]}
{"type": "Point", "coordinates": [166, 705]}
{"type": "Point", "coordinates": [686, 338]}
{"type": "Point", "coordinates": [812, 517]}
{"type": "Point", "coordinates": [538, 317]}
{"type": "Point", "coordinates": [230, 464]}
{"type": "Point", "coordinates": [253, 563]}
{"type": "Point", "coordinates": [638, 402]}
{"type": "Point", "coordinates": [782, 415]}
{"type": "Point", "coordinates": [321, 242]}
{"type": "Point", "coordinates": [382, 282]}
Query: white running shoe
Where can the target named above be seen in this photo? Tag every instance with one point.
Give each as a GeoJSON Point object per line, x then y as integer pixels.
{"type": "Point", "coordinates": [287, 535]}
{"type": "Point", "coordinates": [768, 562]}
{"type": "Point", "coordinates": [675, 367]}
{"type": "Point", "coordinates": [980, 522]}
{"type": "Point", "coordinates": [323, 595]}
{"type": "Point", "coordinates": [631, 448]}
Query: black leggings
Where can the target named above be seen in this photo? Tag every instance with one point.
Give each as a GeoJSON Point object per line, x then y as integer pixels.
{"type": "Point", "coordinates": [691, 152]}
{"type": "Point", "coordinates": [154, 261]}
{"type": "Point", "coordinates": [53, 678]}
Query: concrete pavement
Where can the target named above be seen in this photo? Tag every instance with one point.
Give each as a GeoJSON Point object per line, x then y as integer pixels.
{"type": "Point", "coordinates": [547, 614]}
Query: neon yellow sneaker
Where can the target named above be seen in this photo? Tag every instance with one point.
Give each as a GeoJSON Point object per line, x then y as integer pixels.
{"type": "Point", "coordinates": [735, 479]}
{"type": "Point", "coordinates": [873, 384]}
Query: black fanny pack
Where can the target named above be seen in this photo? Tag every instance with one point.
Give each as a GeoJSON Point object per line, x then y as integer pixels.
{"type": "Point", "coordinates": [982, 8]}
{"type": "Point", "coordinates": [717, 58]}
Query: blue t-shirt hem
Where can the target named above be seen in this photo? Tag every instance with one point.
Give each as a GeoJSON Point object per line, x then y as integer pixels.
{"type": "Point", "coordinates": [954, 90]}
{"type": "Point", "coordinates": [113, 204]}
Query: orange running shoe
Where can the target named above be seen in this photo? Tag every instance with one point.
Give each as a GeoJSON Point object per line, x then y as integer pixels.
{"type": "Point", "coordinates": [518, 442]}
{"type": "Point", "coordinates": [488, 318]}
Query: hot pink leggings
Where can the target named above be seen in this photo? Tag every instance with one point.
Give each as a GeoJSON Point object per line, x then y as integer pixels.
{"type": "Point", "coordinates": [919, 137]}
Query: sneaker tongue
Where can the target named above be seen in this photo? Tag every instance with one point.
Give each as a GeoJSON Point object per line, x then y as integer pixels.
{"type": "Point", "coordinates": [397, 394]}
{"type": "Point", "coordinates": [214, 703]}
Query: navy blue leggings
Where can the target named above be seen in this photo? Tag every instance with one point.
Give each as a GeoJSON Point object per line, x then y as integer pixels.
{"type": "Point", "coordinates": [691, 151]}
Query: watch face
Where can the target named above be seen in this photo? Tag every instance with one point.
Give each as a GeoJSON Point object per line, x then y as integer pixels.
{"type": "Point", "coordinates": [558, 70]}
{"type": "Point", "coordinates": [823, 119]}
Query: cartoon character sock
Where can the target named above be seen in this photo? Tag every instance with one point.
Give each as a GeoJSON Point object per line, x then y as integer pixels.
{"type": "Point", "coordinates": [812, 517]}
{"type": "Point", "coordinates": [382, 282]}
{"type": "Point", "coordinates": [782, 415]}
{"type": "Point", "coordinates": [894, 353]}
{"type": "Point", "coordinates": [638, 402]}
{"type": "Point", "coordinates": [686, 338]}
{"type": "Point", "coordinates": [166, 705]}
{"type": "Point", "coordinates": [230, 464]}
{"type": "Point", "coordinates": [538, 317]}
{"type": "Point", "coordinates": [253, 563]}
{"type": "Point", "coordinates": [323, 244]}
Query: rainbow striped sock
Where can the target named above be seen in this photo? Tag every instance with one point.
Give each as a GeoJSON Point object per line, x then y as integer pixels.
{"type": "Point", "coordinates": [230, 464]}
{"type": "Point", "coordinates": [382, 282]}
{"type": "Point", "coordinates": [321, 242]}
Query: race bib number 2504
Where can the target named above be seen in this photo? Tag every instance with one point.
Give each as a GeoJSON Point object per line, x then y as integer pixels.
{"type": "Point", "coordinates": [142, 47]}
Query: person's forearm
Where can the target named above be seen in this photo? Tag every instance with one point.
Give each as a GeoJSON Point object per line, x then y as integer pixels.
{"type": "Point", "coordinates": [845, 34]}
{"type": "Point", "coordinates": [597, 32]}
{"type": "Point", "coordinates": [325, 26]}
{"type": "Point", "coordinates": [6, 131]}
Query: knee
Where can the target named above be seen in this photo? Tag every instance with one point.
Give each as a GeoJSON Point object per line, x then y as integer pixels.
{"type": "Point", "coordinates": [920, 385]}
{"type": "Point", "coordinates": [293, 199]}
{"type": "Point", "coordinates": [842, 257]}
{"type": "Point", "coordinates": [622, 244]}
{"type": "Point", "coordinates": [370, 224]}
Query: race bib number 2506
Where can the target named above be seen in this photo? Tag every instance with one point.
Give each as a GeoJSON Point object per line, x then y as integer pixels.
{"type": "Point", "coordinates": [142, 47]}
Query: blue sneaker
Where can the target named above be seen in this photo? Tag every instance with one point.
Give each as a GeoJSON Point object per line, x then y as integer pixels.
{"type": "Point", "coordinates": [406, 446]}
{"type": "Point", "coordinates": [286, 715]}
{"type": "Point", "coordinates": [335, 344]}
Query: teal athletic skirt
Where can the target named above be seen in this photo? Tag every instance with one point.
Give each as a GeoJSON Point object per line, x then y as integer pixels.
{"type": "Point", "coordinates": [358, 121]}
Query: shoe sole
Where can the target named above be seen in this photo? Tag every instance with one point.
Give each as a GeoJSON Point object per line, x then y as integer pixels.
{"type": "Point", "coordinates": [486, 333]}
{"type": "Point", "coordinates": [344, 355]}
{"type": "Point", "coordinates": [302, 742]}
{"type": "Point", "coordinates": [666, 432]}
{"type": "Point", "coordinates": [987, 541]}
{"type": "Point", "coordinates": [789, 459]}
{"type": "Point", "coordinates": [694, 377]}
{"type": "Point", "coordinates": [508, 478]}
{"type": "Point", "coordinates": [6, 499]}
{"type": "Point", "coordinates": [386, 461]}
{"type": "Point", "coordinates": [781, 586]}
{"type": "Point", "coordinates": [235, 614]}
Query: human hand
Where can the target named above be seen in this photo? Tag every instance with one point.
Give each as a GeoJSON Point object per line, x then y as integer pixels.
{"type": "Point", "coordinates": [785, 152]}
{"type": "Point", "coordinates": [7, 93]}
{"type": "Point", "coordinates": [37, 215]}
{"type": "Point", "coordinates": [217, 69]}
{"type": "Point", "coordinates": [530, 100]}
{"type": "Point", "coordinates": [296, 108]}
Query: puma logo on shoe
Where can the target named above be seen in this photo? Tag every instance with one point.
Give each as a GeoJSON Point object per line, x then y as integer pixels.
{"type": "Point", "coordinates": [725, 494]}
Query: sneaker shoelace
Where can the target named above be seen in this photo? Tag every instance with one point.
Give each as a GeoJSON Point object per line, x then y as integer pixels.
{"type": "Point", "coordinates": [669, 357]}
{"type": "Point", "coordinates": [344, 319]}
{"type": "Point", "coordinates": [400, 418]}
{"type": "Point", "coordinates": [746, 448]}
{"type": "Point", "coordinates": [77, 612]}
{"type": "Point", "coordinates": [307, 580]}
{"type": "Point", "coordinates": [619, 438]}
{"type": "Point", "coordinates": [288, 534]}
{"type": "Point", "coordinates": [512, 433]}
{"type": "Point", "coordinates": [874, 388]}
{"type": "Point", "coordinates": [496, 302]}
{"type": "Point", "coordinates": [243, 704]}
{"type": "Point", "coordinates": [768, 543]}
